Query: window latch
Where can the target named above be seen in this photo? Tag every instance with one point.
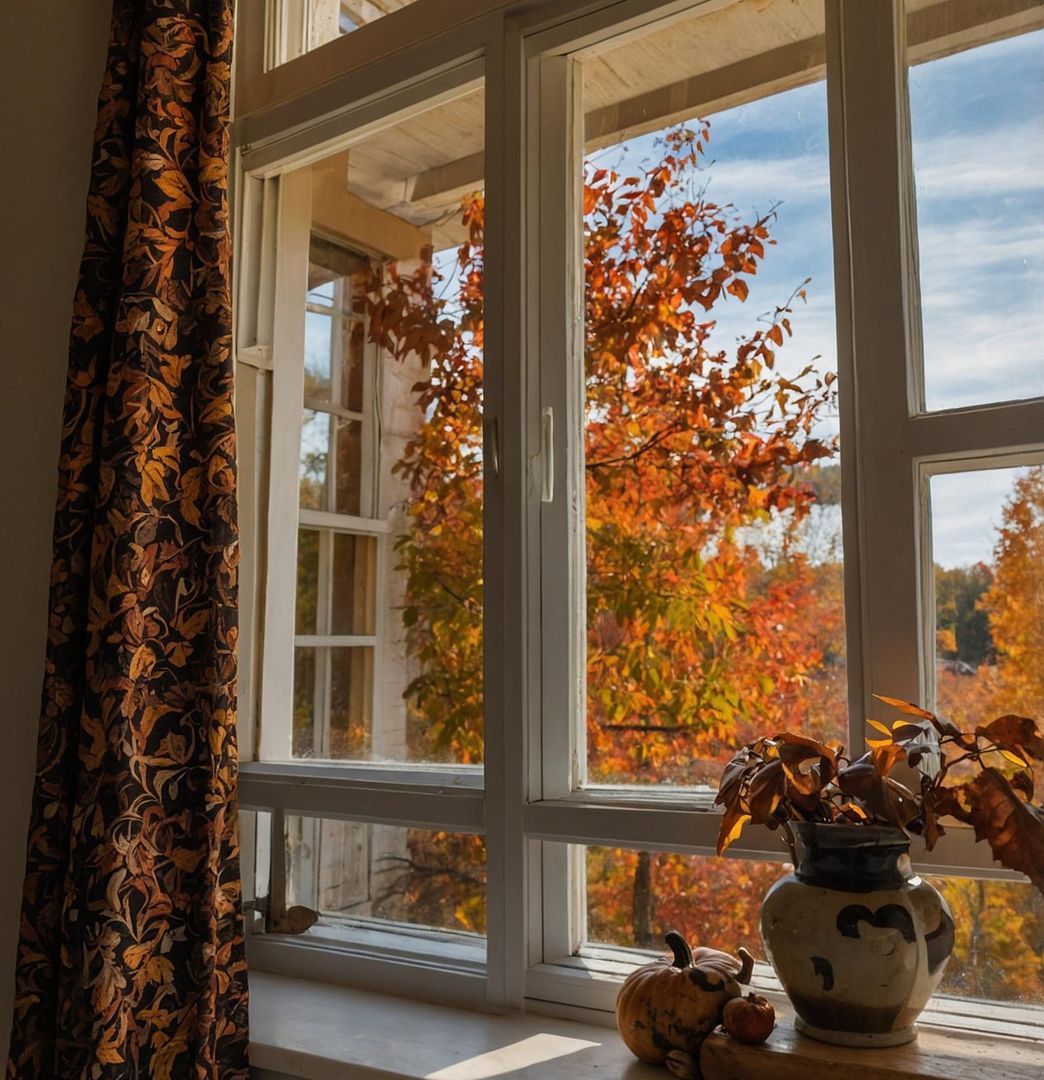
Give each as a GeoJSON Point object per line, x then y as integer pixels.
{"type": "Point", "coordinates": [491, 439]}
{"type": "Point", "coordinates": [547, 453]}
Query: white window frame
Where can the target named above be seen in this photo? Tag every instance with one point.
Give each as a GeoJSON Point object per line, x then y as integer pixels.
{"type": "Point", "coordinates": [528, 801]}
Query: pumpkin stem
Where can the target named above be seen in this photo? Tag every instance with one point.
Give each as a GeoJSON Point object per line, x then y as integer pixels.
{"type": "Point", "coordinates": [747, 969]}
{"type": "Point", "coordinates": [680, 947]}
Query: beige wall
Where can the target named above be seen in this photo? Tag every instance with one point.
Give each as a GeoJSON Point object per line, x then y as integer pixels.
{"type": "Point", "coordinates": [51, 59]}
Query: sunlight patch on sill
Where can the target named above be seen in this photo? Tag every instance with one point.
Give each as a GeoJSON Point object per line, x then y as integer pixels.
{"type": "Point", "coordinates": [536, 1050]}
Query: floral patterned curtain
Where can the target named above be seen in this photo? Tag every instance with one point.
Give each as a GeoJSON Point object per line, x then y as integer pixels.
{"type": "Point", "coordinates": [130, 963]}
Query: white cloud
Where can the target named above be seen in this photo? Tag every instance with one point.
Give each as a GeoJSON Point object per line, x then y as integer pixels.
{"type": "Point", "coordinates": [1005, 161]}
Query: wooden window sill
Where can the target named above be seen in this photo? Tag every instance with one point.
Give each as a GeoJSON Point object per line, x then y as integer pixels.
{"type": "Point", "coordinates": [304, 1030]}
{"type": "Point", "coordinates": [934, 1055]}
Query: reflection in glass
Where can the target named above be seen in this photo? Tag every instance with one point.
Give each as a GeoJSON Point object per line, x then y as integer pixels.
{"type": "Point", "coordinates": [354, 581]}
{"type": "Point", "coordinates": [306, 607]}
{"type": "Point", "coordinates": [331, 463]}
{"type": "Point", "coordinates": [318, 356]}
{"type": "Point", "coordinates": [335, 360]}
{"type": "Point", "coordinates": [390, 607]}
{"type": "Point", "coordinates": [333, 702]}
{"type": "Point", "coordinates": [345, 869]}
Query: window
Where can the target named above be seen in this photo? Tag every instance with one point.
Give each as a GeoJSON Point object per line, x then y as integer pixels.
{"type": "Point", "coordinates": [299, 26]}
{"type": "Point", "coordinates": [636, 417]}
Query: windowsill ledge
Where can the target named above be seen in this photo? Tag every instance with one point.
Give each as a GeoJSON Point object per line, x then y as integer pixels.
{"type": "Point", "coordinates": [316, 1031]}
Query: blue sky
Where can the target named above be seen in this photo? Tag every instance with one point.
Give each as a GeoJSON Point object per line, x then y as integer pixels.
{"type": "Point", "coordinates": [978, 143]}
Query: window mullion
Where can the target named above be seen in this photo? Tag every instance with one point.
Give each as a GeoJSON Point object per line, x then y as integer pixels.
{"type": "Point", "coordinates": [882, 511]}
{"type": "Point", "coordinates": [510, 543]}
{"type": "Point", "coordinates": [559, 296]}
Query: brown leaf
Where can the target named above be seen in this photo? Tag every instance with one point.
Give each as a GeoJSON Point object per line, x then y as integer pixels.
{"type": "Point", "coordinates": [867, 779]}
{"type": "Point", "coordinates": [1013, 829]}
{"type": "Point", "coordinates": [297, 920]}
{"type": "Point", "coordinates": [1018, 734]}
{"type": "Point", "coordinates": [766, 791]}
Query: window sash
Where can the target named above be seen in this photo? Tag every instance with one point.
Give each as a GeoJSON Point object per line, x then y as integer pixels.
{"type": "Point", "coordinates": [532, 811]}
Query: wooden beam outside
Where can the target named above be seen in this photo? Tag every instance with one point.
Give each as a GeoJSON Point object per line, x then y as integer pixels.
{"type": "Point", "coordinates": [338, 213]}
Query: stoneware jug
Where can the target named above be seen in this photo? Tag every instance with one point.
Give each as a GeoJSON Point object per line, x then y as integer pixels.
{"type": "Point", "coordinates": [858, 941]}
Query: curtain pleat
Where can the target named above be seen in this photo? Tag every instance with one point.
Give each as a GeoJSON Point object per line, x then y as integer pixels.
{"type": "Point", "coordinates": [130, 961]}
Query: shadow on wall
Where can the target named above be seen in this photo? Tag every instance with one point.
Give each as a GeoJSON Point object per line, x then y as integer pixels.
{"type": "Point", "coordinates": [50, 71]}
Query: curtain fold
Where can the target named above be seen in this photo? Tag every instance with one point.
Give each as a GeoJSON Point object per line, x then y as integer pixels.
{"type": "Point", "coordinates": [130, 960]}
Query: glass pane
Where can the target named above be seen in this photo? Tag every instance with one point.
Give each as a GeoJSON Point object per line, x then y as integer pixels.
{"type": "Point", "coordinates": [309, 695]}
{"type": "Point", "coordinates": [392, 432]}
{"type": "Point", "coordinates": [978, 151]}
{"type": "Point", "coordinates": [320, 288]}
{"type": "Point", "coordinates": [354, 580]}
{"type": "Point", "coordinates": [635, 897]}
{"type": "Point", "coordinates": [333, 705]}
{"type": "Point", "coordinates": [306, 609]}
{"type": "Point", "coordinates": [322, 21]}
{"type": "Point", "coordinates": [353, 345]}
{"type": "Point", "coordinates": [318, 355]}
{"type": "Point", "coordinates": [335, 354]}
{"type": "Point", "coordinates": [997, 955]}
{"type": "Point", "coordinates": [331, 476]}
{"type": "Point", "coordinates": [988, 550]}
{"type": "Point", "coordinates": [714, 563]}
{"type": "Point", "coordinates": [345, 869]}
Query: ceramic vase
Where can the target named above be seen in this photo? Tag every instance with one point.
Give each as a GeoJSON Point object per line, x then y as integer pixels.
{"type": "Point", "coordinates": [858, 941]}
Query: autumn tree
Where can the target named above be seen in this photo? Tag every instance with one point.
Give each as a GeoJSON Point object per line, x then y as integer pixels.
{"type": "Point", "coordinates": [962, 626]}
{"type": "Point", "coordinates": [695, 634]}
{"type": "Point", "coordinates": [701, 632]}
{"type": "Point", "coordinates": [686, 446]}
{"type": "Point", "coordinates": [1014, 602]}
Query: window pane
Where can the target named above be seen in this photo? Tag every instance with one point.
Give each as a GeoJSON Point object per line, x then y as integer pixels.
{"type": "Point", "coordinates": [997, 955]}
{"type": "Point", "coordinates": [307, 605]}
{"type": "Point", "coordinates": [331, 469]}
{"type": "Point", "coordinates": [988, 550]}
{"type": "Point", "coordinates": [392, 431]}
{"type": "Point", "coordinates": [334, 361]}
{"type": "Point", "coordinates": [318, 356]}
{"type": "Point", "coordinates": [635, 897]}
{"type": "Point", "coordinates": [978, 151]}
{"type": "Point", "coordinates": [354, 578]}
{"type": "Point", "coordinates": [333, 704]}
{"type": "Point", "coordinates": [353, 344]}
{"type": "Point", "coordinates": [345, 869]}
{"type": "Point", "coordinates": [312, 23]}
{"type": "Point", "coordinates": [714, 564]}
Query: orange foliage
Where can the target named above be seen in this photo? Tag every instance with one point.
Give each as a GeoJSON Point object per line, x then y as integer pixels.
{"type": "Point", "coordinates": [699, 639]}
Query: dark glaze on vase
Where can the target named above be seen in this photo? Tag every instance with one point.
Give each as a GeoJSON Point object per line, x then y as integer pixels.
{"type": "Point", "coordinates": [858, 941]}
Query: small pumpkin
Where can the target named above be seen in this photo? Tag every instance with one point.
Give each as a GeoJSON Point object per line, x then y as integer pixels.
{"type": "Point", "coordinates": [673, 1004]}
{"type": "Point", "coordinates": [749, 1019]}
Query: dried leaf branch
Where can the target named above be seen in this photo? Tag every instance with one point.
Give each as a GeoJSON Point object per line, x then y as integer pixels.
{"type": "Point", "coordinates": [787, 778]}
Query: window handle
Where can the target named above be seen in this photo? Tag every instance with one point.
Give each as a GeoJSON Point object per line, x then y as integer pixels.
{"type": "Point", "coordinates": [547, 453]}
{"type": "Point", "coordinates": [491, 438]}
